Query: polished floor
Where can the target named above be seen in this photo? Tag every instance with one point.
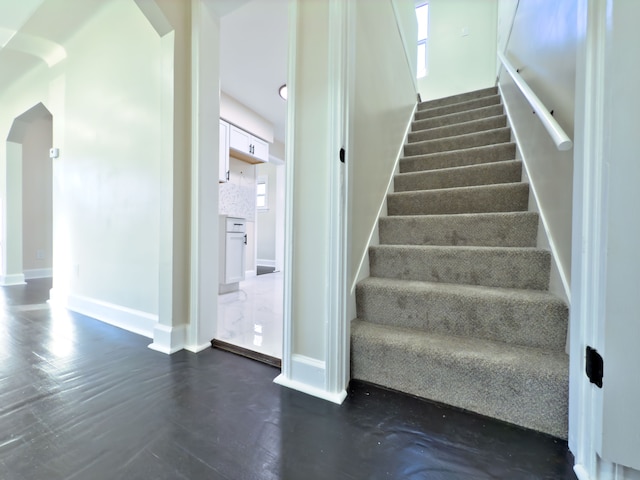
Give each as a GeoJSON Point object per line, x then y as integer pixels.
{"type": "Point", "coordinates": [80, 399]}
{"type": "Point", "coordinates": [251, 318]}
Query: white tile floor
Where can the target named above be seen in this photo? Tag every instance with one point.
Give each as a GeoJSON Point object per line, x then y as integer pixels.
{"type": "Point", "coordinates": [252, 317]}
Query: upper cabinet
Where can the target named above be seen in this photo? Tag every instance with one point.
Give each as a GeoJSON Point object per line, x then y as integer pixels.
{"type": "Point", "coordinates": [223, 168]}
{"type": "Point", "coordinates": [246, 147]}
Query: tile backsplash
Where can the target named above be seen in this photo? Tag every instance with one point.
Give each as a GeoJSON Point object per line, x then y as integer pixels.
{"type": "Point", "coordinates": [237, 201]}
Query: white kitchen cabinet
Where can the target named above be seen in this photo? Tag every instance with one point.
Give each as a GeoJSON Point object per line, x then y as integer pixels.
{"type": "Point", "coordinates": [223, 157]}
{"type": "Point", "coordinates": [247, 147]}
{"type": "Point", "coordinates": [233, 241]}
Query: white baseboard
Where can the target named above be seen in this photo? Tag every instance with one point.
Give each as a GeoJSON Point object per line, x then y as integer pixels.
{"type": "Point", "coordinates": [250, 273]}
{"type": "Point", "coordinates": [168, 339]}
{"type": "Point", "coordinates": [38, 273]}
{"type": "Point", "coordinates": [581, 472]}
{"type": "Point", "coordinates": [197, 348]}
{"type": "Point", "coordinates": [308, 376]}
{"type": "Point", "coordinates": [135, 321]}
{"type": "Point", "coordinates": [266, 263]}
{"type": "Point", "coordinates": [13, 279]}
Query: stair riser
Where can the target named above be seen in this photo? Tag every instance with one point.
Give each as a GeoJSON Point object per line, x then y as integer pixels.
{"type": "Point", "coordinates": [485, 174]}
{"type": "Point", "coordinates": [481, 139]}
{"type": "Point", "coordinates": [524, 397]}
{"type": "Point", "coordinates": [494, 198]}
{"type": "Point", "coordinates": [458, 158]}
{"type": "Point", "coordinates": [524, 269]}
{"type": "Point", "coordinates": [512, 230]}
{"type": "Point", "coordinates": [457, 108]}
{"type": "Point", "coordinates": [513, 319]}
{"type": "Point", "coordinates": [463, 97]}
{"type": "Point", "coordinates": [459, 129]}
{"type": "Point", "coordinates": [456, 118]}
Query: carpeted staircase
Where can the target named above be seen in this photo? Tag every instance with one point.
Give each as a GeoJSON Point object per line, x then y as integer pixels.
{"type": "Point", "coordinates": [456, 309]}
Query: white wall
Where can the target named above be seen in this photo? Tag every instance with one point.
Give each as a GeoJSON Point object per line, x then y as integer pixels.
{"type": "Point", "coordinates": [37, 213]}
{"type": "Point", "coordinates": [383, 98]}
{"type": "Point", "coordinates": [266, 224]}
{"type": "Point", "coordinates": [106, 101]}
{"type": "Point", "coordinates": [543, 45]}
{"type": "Point", "coordinates": [242, 116]}
{"type": "Point", "coordinates": [460, 63]}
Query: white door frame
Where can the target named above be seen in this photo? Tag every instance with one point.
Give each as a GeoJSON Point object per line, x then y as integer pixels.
{"type": "Point", "coordinates": [327, 378]}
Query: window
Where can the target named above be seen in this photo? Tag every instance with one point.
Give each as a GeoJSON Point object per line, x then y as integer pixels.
{"type": "Point", "coordinates": [422, 14]}
{"type": "Point", "coordinates": [262, 190]}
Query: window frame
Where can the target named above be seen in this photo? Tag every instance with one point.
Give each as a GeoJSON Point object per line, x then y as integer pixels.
{"type": "Point", "coordinates": [423, 41]}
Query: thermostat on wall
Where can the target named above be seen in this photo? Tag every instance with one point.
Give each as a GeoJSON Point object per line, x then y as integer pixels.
{"type": "Point", "coordinates": [54, 152]}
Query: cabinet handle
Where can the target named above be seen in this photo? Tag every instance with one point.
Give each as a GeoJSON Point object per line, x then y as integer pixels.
{"type": "Point", "coordinates": [227, 175]}
{"type": "Point", "coordinates": [245, 238]}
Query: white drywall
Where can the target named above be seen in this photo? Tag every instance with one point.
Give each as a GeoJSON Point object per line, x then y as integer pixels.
{"type": "Point", "coordinates": [105, 99]}
{"type": "Point", "coordinates": [543, 46]}
{"type": "Point", "coordinates": [383, 98]}
{"type": "Point", "coordinates": [461, 47]}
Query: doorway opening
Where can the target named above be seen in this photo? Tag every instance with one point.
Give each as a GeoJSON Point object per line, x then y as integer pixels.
{"type": "Point", "coordinates": [253, 66]}
{"type": "Point", "coordinates": [27, 243]}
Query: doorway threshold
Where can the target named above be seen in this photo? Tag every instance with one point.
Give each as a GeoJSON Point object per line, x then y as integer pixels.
{"type": "Point", "coordinates": [245, 352]}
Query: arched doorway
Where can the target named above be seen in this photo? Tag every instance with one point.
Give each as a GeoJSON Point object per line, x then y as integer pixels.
{"type": "Point", "coordinates": [27, 213]}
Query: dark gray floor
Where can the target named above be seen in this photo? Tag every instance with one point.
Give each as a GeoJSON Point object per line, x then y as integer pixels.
{"type": "Point", "coordinates": [83, 400]}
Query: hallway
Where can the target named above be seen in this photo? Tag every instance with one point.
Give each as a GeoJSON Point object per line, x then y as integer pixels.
{"type": "Point", "coordinates": [80, 399]}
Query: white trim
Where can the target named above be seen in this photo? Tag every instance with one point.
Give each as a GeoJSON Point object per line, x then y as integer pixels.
{"type": "Point", "coordinates": [135, 321]}
{"type": "Point", "coordinates": [337, 330]}
{"type": "Point", "coordinates": [38, 273]}
{"type": "Point", "coordinates": [265, 263]}
{"type": "Point", "coordinates": [581, 473]}
{"type": "Point", "coordinates": [197, 348]}
{"type": "Point", "coordinates": [337, 398]}
{"type": "Point", "coordinates": [287, 321]}
{"type": "Point", "coordinates": [532, 186]}
{"type": "Point", "coordinates": [362, 272]}
{"type": "Point", "coordinates": [250, 273]}
{"type": "Point", "coordinates": [308, 375]}
{"type": "Point", "coordinates": [13, 279]}
{"type": "Point", "coordinates": [168, 339]}
{"type": "Point", "coordinates": [405, 44]}
{"type": "Point", "coordinates": [559, 136]}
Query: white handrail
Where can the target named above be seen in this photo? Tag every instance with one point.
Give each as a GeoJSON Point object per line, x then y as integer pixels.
{"type": "Point", "coordinates": [560, 138]}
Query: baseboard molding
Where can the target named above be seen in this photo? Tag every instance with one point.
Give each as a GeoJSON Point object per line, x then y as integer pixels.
{"type": "Point", "coordinates": [38, 273]}
{"type": "Point", "coordinates": [197, 348]}
{"type": "Point", "coordinates": [168, 339]}
{"type": "Point", "coordinates": [581, 472]}
{"type": "Point", "coordinates": [308, 376]}
{"type": "Point", "coordinates": [135, 321]}
{"type": "Point", "coordinates": [13, 279]}
{"type": "Point", "coordinates": [363, 267]}
{"type": "Point", "coordinates": [266, 263]}
{"type": "Point", "coordinates": [560, 284]}
{"type": "Point", "coordinates": [250, 273]}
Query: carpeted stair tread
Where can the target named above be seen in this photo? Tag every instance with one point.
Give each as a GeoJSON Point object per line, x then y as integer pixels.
{"type": "Point", "coordinates": [457, 142]}
{"type": "Point", "coordinates": [501, 229]}
{"type": "Point", "coordinates": [507, 267]}
{"type": "Point", "coordinates": [458, 117]}
{"type": "Point", "coordinates": [524, 386]}
{"type": "Point", "coordinates": [457, 107]}
{"type": "Point", "coordinates": [457, 308]}
{"type": "Point", "coordinates": [530, 318]}
{"type": "Point", "coordinates": [504, 197]}
{"type": "Point", "coordinates": [458, 158]}
{"type": "Point", "coordinates": [462, 97]}
{"type": "Point", "coordinates": [509, 171]}
{"type": "Point", "coordinates": [481, 125]}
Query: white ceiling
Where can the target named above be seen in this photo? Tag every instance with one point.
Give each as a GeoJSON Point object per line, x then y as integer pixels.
{"type": "Point", "coordinates": [253, 45]}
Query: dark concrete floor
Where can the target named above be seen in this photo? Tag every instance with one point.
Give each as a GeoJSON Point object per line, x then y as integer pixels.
{"type": "Point", "coordinates": [83, 400]}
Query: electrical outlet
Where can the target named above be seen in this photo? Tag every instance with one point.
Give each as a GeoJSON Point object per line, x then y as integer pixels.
{"type": "Point", "coordinates": [40, 254]}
